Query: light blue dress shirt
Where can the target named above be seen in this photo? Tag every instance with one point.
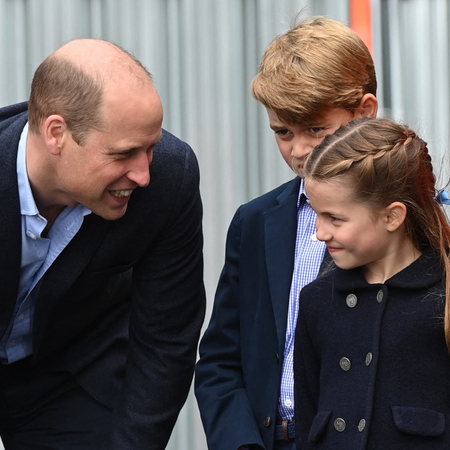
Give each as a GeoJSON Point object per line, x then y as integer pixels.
{"type": "Point", "coordinates": [309, 254]}
{"type": "Point", "coordinates": [38, 253]}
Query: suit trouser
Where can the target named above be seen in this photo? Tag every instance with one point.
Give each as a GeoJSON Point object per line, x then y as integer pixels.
{"type": "Point", "coordinates": [42, 410]}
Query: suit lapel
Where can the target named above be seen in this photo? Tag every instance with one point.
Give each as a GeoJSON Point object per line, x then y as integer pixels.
{"type": "Point", "coordinates": [65, 270]}
{"type": "Point", "coordinates": [280, 236]}
{"type": "Point", "coordinates": [10, 220]}
{"type": "Point", "coordinates": [10, 253]}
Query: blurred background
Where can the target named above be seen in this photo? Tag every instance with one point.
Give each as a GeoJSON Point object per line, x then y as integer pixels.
{"type": "Point", "coordinates": [203, 55]}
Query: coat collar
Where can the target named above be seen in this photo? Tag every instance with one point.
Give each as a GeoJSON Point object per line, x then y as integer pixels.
{"type": "Point", "coordinates": [424, 272]}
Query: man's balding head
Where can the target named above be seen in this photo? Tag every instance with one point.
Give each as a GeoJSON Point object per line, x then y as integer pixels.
{"type": "Point", "coordinates": [71, 82]}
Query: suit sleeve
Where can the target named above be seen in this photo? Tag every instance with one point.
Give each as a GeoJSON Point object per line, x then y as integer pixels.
{"type": "Point", "coordinates": [166, 317]}
{"type": "Point", "coordinates": [219, 385]}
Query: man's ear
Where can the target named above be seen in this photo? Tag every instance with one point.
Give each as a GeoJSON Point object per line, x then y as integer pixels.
{"type": "Point", "coordinates": [368, 107]}
{"type": "Point", "coordinates": [55, 133]}
{"type": "Point", "coordinates": [395, 215]}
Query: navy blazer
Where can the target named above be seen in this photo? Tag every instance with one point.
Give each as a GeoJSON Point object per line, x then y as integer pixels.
{"type": "Point", "coordinates": [147, 264]}
{"type": "Point", "coordinates": [371, 365]}
{"type": "Point", "coordinates": [238, 375]}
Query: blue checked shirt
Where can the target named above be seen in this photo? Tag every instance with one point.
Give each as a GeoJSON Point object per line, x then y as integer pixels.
{"type": "Point", "coordinates": [309, 254]}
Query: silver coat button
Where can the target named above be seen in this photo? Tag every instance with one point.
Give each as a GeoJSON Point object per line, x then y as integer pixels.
{"type": "Point", "coordinates": [345, 364]}
{"type": "Point", "coordinates": [379, 296]}
{"type": "Point", "coordinates": [369, 358]}
{"type": "Point", "coordinates": [340, 424]}
{"type": "Point", "coordinates": [361, 425]}
{"type": "Point", "coordinates": [351, 300]}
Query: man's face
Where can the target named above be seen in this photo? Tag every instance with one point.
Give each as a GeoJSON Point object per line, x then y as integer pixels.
{"type": "Point", "coordinates": [103, 172]}
{"type": "Point", "coordinates": [297, 141]}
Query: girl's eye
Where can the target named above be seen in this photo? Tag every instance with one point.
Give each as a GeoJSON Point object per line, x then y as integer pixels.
{"type": "Point", "coordinates": [316, 130]}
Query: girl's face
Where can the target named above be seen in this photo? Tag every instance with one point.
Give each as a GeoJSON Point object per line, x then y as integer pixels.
{"type": "Point", "coordinates": [355, 234]}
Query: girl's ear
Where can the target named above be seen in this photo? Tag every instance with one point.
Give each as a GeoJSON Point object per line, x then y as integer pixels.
{"type": "Point", "coordinates": [395, 215]}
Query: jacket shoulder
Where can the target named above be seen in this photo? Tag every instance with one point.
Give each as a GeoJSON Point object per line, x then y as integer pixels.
{"type": "Point", "coordinates": [273, 197]}
{"type": "Point", "coordinates": [173, 156]}
{"type": "Point", "coordinates": [11, 114]}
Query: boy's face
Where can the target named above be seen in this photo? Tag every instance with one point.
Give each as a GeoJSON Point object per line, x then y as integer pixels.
{"type": "Point", "coordinates": [297, 141]}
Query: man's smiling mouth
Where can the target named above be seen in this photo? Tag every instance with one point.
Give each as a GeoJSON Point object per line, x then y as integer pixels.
{"type": "Point", "coordinates": [122, 193]}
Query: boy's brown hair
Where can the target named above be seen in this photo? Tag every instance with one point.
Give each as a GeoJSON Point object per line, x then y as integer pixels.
{"type": "Point", "coordinates": [317, 65]}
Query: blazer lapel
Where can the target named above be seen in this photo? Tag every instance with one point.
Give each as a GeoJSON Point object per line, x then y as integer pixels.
{"type": "Point", "coordinates": [10, 251]}
{"type": "Point", "coordinates": [280, 236]}
{"type": "Point", "coordinates": [10, 220]}
{"type": "Point", "coordinates": [64, 271]}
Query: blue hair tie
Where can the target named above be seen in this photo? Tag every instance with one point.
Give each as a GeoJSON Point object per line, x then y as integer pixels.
{"type": "Point", "coordinates": [443, 197]}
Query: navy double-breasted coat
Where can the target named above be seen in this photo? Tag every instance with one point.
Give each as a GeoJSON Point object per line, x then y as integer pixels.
{"type": "Point", "coordinates": [372, 370]}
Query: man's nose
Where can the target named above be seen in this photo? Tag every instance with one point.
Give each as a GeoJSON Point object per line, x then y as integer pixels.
{"type": "Point", "coordinates": [140, 170]}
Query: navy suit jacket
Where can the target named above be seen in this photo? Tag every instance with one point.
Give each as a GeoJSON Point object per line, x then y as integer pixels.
{"type": "Point", "coordinates": [147, 265]}
{"type": "Point", "coordinates": [241, 354]}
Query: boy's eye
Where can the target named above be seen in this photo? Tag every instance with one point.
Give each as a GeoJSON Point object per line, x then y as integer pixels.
{"type": "Point", "coordinates": [315, 130]}
{"type": "Point", "coordinates": [282, 132]}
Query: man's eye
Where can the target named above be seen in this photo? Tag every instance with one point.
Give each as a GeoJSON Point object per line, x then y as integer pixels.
{"type": "Point", "coordinates": [123, 154]}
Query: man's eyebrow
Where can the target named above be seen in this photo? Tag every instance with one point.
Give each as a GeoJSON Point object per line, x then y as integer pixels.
{"type": "Point", "coordinates": [130, 149]}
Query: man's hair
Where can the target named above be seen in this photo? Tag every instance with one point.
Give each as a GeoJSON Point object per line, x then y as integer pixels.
{"type": "Point", "coordinates": [317, 65]}
{"type": "Point", "coordinates": [62, 87]}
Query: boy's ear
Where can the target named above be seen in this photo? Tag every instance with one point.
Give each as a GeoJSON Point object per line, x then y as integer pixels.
{"type": "Point", "coordinates": [395, 215]}
{"type": "Point", "coordinates": [368, 107]}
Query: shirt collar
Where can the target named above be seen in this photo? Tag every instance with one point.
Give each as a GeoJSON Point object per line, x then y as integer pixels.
{"type": "Point", "coordinates": [302, 191]}
{"type": "Point", "coordinates": [27, 204]}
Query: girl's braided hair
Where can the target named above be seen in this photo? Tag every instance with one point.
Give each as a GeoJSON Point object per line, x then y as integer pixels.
{"type": "Point", "coordinates": [388, 162]}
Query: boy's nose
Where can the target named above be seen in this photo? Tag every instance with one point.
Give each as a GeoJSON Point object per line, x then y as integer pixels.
{"type": "Point", "coordinates": [301, 148]}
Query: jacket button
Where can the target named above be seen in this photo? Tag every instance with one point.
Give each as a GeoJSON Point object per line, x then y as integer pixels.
{"type": "Point", "coordinates": [340, 424]}
{"type": "Point", "coordinates": [267, 421]}
{"type": "Point", "coordinates": [345, 364]}
{"type": "Point", "coordinates": [277, 357]}
{"type": "Point", "coordinates": [361, 425]}
{"type": "Point", "coordinates": [351, 300]}
{"type": "Point", "coordinates": [368, 358]}
{"type": "Point", "coordinates": [379, 296]}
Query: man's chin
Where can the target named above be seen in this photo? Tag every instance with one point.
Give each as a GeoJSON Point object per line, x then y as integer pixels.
{"type": "Point", "coordinates": [111, 214]}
